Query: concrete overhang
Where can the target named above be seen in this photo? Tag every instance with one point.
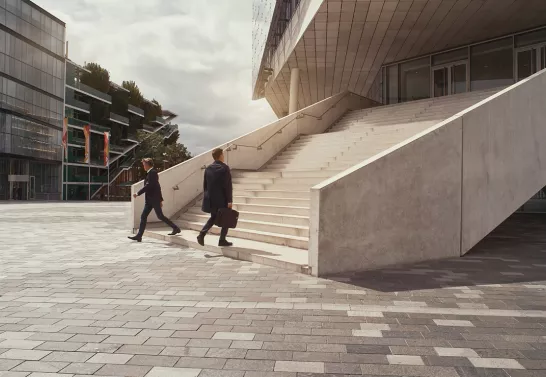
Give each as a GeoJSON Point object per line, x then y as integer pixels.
{"type": "Point", "coordinates": [342, 45]}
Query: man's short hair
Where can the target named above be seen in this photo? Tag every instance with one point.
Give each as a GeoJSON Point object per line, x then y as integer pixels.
{"type": "Point", "coordinates": [217, 153]}
{"type": "Point", "coordinates": [148, 161]}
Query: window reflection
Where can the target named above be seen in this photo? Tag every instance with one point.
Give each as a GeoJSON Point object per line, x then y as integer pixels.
{"type": "Point", "coordinates": [415, 80]}
{"type": "Point", "coordinates": [492, 65]}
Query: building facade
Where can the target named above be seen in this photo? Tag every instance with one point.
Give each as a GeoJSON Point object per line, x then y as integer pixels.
{"type": "Point", "coordinates": [392, 51]}
{"type": "Point", "coordinates": [32, 76]}
{"type": "Point", "coordinates": [104, 107]}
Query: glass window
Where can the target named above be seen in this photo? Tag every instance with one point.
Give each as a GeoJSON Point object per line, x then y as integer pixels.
{"type": "Point", "coordinates": [392, 84]}
{"type": "Point", "coordinates": [531, 38]}
{"type": "Point", "coordinates": [415, 80]}
{"type": "Point", "coordinates": [450, 56]}
{"type": "Point", "coordinates": [492, 65]}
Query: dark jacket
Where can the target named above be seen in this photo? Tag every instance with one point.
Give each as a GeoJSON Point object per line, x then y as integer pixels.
{"type": "Point", "coordinates": [217, 187]}
{"type": "Point", "coordinates": [152, 188]}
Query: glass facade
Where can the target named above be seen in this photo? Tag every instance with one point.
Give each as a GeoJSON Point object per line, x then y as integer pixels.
{"type": "Point", "coordinates": [32, 76]}
{"type": "Point", "coordinates": [482, 66]}
{"type": "Point", "coordinates": [262, 16]}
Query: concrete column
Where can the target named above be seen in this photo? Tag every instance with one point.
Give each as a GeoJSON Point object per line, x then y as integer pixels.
{"type": "Point", "coordinates": [294, 90]}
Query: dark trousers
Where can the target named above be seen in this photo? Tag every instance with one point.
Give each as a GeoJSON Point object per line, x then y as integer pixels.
{"type": "Point", "coordinates": [158, 211]}
{"type": "Point", "coordinates": [210, 224]}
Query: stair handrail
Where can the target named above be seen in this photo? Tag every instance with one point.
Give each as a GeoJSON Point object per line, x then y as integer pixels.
{"type": "Point", "coordinates": [176, 188]}
{"type": "Point", "coordinates": [299, 116]}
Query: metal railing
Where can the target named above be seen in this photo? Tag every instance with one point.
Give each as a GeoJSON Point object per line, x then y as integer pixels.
{"type": "Point", "coordinates": [234, 146]}
{"type": "Point", "coordinates": [159, 120]}
{"type": "Point", "coordinates": [83, 123]}
{"type": "Point", "coordinates": [78, 104]}
{"type": "Point", "coordinates": [89, 90]}
{"type": "Point", "coordinates": [119, 118]}
{"type": "Point", "coordinates": [136, 110]}
{"type": "Point", "coordinates": [176, 188]}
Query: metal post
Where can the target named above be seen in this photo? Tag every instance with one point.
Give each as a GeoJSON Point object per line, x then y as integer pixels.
{"type": "Point", "coordinates": [89, 177]}
{"type": "Point", "coordinates": [108, 183]}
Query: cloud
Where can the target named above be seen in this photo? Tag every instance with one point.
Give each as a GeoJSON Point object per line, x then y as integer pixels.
{"type": "Point", "coordinates": [193, 56]}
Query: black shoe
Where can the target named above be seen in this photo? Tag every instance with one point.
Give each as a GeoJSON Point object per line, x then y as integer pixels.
{"type": "Point", "coordinates": [175, 232]}
{"type": "Point", "coordinates": [224, 243]}
{"type": "Point", "coordinates": [201, 239]}
{"type": "Point", "coordinates": [136, 238]}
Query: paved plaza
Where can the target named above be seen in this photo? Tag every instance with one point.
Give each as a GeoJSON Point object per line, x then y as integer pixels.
{"type": "Point", "coordinates": [78, 299]}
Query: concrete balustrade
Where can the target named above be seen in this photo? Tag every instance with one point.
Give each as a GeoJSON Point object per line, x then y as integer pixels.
{"type": "Point", "coordinates": [438, 193]}
{"type": "Point", "coordinates": [249, 152]}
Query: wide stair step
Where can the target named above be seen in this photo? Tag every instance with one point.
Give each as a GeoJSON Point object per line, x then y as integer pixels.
{"type": "Point", "coordinates": [255, 235]}
{"type": "Point", "coordinates": [274, 203]}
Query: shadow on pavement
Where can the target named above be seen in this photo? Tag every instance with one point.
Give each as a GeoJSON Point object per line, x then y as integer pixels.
{"type": "Point", "coordinates": [515, 252]}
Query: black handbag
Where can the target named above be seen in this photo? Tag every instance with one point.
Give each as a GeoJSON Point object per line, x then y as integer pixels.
{"type": "Point", "coordinates": [227, 218]}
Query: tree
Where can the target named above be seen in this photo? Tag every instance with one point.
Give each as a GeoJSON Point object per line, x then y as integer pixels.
{"type": "Point", "coordinates": [162, 151]}
{"type": "Point", "coordinates": [135, 96]}
{"type": "Point", "coordinates": [98, 77]}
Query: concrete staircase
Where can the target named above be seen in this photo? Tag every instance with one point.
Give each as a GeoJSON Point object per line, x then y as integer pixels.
{"type": "Point", "coordinates": [274, 202]}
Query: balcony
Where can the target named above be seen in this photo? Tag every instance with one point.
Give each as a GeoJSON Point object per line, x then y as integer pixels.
{"type": "Point", "coordinates": [75, 140]}
{"type": "Point", "coordinates": [119, 119]}
{"type": "Point", "coordinates": [148, 128]}
{"type": "Point", "coordinates": [82, 123]}
{"type": "Point", "coordinates": [76, 159]}
{"type": "Point", "coordinates": [169, 130]}
{"type": "Point", "coordinates": [159, 120]}
{"type": "Point", "coordinates": [116, 149]}
{"type": "Point", "coordinates": [97, 94]}
{"type": "Point", "coordinates": [136, 110]}
{"type": "Point", "coordinates": [78, 105]}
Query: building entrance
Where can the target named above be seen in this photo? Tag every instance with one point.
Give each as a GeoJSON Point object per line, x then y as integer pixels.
{"type": "Point", "coordinates": [450, 79]}
{"type": "Point", "coordinates": [530, 60]}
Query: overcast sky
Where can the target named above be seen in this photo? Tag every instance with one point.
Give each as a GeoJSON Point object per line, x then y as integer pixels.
{"type": "Point", "coordinates": [193, 56]}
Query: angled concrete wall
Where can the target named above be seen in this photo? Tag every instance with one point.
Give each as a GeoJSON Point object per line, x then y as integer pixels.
{"type": "Point", "coordinates": [249, 152]}
{"type": "Point", "coordinates": [437, 194]}
{"type": "Point", "coordinates": [402, 206]}
{"type": "Point", "coordinates": [504, 156]}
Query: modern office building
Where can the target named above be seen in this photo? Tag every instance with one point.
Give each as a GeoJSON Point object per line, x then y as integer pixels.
{"type": "Point", "coordinates": [32, 76]}
{"type": "Point", "coordinates": [40, 88]}
{"type": "Point", "coordinates": [104, 107]}
{"type": "Point", "coordinates": [408, 130]}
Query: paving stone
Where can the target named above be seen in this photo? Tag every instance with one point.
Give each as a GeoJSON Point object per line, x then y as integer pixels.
{"type": "Point", "coordinates": [18, 354]}
{"type": "Point", "coordinates": [495, 363]}
{"type": "Point", "coordinates": [108, 358]}
{"type": "Point", "coordinates": [163, 361]}
{"type": "Point", "coordinates": [298, 366]}
{"type": "Point", "coordinates": [184, 351]}
{"type": "Point", "coordinates": [456, 352]}
{"type": "Point", "coordinates": [123, 370]}
{"type": "Point", "coordinates": [81, 368]}
{"type": "Point", "coordinates": [201, 363]}
{"type": "Point", "coordinates": [250, 365]}
{"type": "Point", "coordinates": [221, 373]}
{"type": "Point", "coordinates": [40, 366]}
{"type": "Point", "coordinates": [173, 372]}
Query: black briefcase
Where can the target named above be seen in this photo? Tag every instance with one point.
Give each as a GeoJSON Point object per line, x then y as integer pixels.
{"type": "Point", "coordinates": [227, 218]}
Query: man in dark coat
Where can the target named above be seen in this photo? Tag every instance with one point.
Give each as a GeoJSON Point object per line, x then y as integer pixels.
{"type": "Point", "coordinates": [153, 200]}
{"type": "Point", "coordinates": [218, 194]}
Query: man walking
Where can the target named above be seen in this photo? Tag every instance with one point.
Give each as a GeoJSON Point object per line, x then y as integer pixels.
{"type": "Point", "coordinates": [154, 200]}
{"type": "Point", "coordinates": [218, 194]}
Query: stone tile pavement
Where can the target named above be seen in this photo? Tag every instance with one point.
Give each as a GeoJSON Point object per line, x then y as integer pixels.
{"type": "Point", "coordinates": [78, 299]}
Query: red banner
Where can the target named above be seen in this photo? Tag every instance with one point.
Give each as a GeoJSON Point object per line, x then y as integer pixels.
{"type": "Point", "coordinates": [106, 148]}
{"type": "Point", "coordinates": [65, 137]}
{"type": "Point", "coordinates": [87, 133]}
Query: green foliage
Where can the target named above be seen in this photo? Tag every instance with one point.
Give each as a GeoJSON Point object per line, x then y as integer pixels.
{"type": "Point", "coordinates": [160, 150]}
{"type": "Point", "coordinates": [152, 110]}
{"type": "Point", "coordinates": [99, 78]}
{"type": "Point", "coordinates": [135, 96]}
